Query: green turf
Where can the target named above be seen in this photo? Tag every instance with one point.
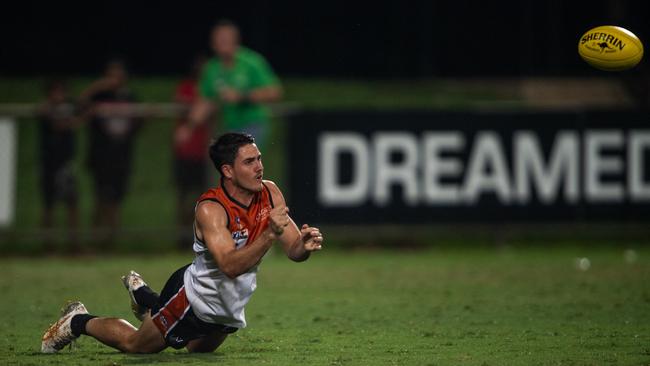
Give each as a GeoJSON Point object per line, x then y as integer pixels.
{"type": "Point", "coordinates": [312, 93]}
{"type": "Point", "coordinates": [505, 306]}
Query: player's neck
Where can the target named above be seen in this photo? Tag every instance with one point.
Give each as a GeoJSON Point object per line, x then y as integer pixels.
{"type": "Point", "coordinates": [239, 194]}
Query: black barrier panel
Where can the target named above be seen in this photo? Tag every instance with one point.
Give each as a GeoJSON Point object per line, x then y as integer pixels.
{"type": "Point", "coordinates": [427, 167]}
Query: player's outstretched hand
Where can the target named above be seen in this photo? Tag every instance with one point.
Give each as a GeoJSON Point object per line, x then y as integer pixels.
{"type": "Point", "coordinates": [279, 219]}
{"type": "Point", "coordinates": [312, 238]}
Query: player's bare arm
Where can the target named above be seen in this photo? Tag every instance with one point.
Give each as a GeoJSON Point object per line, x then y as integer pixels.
{"type": "Point", "coordinates": [199, 113]}
{"type": "Point", "coordinates": [211, 225]}
{"type": "Point", "coordinates": [201, 110]}
{"type": "Point", "coordinates": [297, 243]}
{"type": "Point", "coordinates": [265, 94]}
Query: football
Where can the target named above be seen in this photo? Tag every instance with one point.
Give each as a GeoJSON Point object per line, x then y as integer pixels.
{"type": "Point", "coordinates": [610, 48]}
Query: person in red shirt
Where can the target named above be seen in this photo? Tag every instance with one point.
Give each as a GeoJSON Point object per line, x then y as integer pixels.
{"type": "Point", "coordinates": [190, 156]}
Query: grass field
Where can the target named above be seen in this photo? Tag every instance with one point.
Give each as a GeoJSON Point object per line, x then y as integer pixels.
{"type": "Point", "coordinates": [478, 303]}
{"type": "Point", "coordinates": [446, 306]}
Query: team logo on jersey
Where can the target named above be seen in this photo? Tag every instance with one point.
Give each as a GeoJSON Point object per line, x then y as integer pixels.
{"type": "Point", "coordinates": [176, 339]}
{"type": "Point", "coordinates": [240, 236]}
{"type": "Point", "coordinates": [264, 213]}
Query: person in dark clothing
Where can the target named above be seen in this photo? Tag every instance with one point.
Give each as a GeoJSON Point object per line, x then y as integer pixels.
{"type": "Point", "coordinates": [112, 133]}
{"type": "Point", "coordinates": [57, 122]}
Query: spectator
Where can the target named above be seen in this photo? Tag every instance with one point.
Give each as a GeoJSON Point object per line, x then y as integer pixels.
{"type": "Point", "coordinates": [239, 80]}
{"type": "Point", "coordinates": [113, 130]}
{"type": "Point", "coordinates": [57, 149]}
{"type": "Point", "coordinates": [190, 156]}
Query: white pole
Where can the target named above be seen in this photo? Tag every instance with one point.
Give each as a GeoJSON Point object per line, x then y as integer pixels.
{"type": "Point", "coordinates": [8, 142]}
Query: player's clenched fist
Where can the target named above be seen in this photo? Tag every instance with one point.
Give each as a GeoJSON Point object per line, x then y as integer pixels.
{"type": "Point", "coordinates": [279, 219]}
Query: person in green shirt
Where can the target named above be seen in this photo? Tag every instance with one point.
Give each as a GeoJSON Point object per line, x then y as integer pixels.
{"type": "Point", "coordinates": [237, 82]}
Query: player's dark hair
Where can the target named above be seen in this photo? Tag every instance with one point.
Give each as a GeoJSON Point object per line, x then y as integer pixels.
{"type": "Point", "coordinates": [224, 149]}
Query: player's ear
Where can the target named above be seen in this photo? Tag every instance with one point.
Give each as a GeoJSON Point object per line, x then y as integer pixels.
{"type": "Point", "coordinates": [226, 169]}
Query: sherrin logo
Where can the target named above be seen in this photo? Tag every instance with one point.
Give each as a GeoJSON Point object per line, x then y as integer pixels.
{"type": "Point", "coordinates": [602, 42]}
{"type": "Point", "coordinates": [610, 48]}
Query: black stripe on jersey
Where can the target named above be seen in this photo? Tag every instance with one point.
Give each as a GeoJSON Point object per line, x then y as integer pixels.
{"type": "Point", "coordinates": [231, 198]}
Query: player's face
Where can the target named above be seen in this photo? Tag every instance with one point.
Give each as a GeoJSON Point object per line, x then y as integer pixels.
{"type": "Point", "coordinates": [225, 40]}
{"type": "Point", "coordinates": [248, 170]}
